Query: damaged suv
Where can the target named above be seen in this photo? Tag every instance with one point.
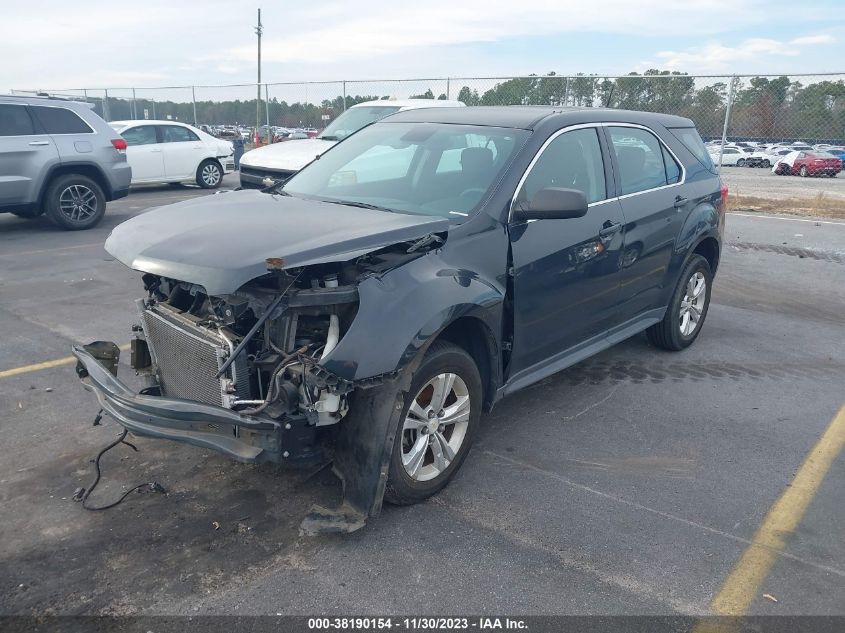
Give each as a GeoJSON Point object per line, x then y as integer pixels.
{"type": "Point", "coordinates": [369, 309]}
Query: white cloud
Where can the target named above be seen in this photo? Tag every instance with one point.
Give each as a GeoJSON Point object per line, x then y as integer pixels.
{"type": "Point", "coordinates": [96, 43]}
{"type": "Point", "coordinates": [383, 27]}
{"type": "Point", "coordinates": [715, 57]}
{"type": "Point", "coordinates": [823, 38]}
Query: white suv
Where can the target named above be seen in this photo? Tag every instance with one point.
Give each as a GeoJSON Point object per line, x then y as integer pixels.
{"type": "Point", "coordinates": [167, 151]}
{"type": "Point", "coordinates": [264, 166]}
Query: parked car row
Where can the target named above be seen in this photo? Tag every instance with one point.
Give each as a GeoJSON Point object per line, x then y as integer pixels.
{"type": "Point", "coordinates": [744, 154]}
{"type": "Point", "coordinates": [808, 163]}
{"type": "Point", "coordinates": [59, 158]}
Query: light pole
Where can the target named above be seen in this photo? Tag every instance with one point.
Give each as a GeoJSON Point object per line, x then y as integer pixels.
{"type": "Point", "coordinates": [258, 30]}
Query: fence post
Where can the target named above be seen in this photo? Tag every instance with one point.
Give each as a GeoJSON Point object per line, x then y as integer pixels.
{"type": "Point", "coordinates": [134, 105]}
{"type": "Point", "coordinates": [727, 119]}
{"type": "Point", "coordinates": [194, 100]}
{"type": "Point", "coordinates": [84, 92]}
{"type": "Point", "coordinates": [448, 88]}
{"type": "Point", "coordinates": [267, 108]}
{"type": "Point", "coordinates": [106, 115]}
{"type": "Point", "coordinates": [154, 108]}
{"type": "Point", "coordinates": [344, 95]}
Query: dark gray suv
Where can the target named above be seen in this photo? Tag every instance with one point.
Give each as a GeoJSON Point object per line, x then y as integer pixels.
{"type": "Point", "coordinates": [369, 309]}
{"type": "Point", "coordinates": [59, 158]}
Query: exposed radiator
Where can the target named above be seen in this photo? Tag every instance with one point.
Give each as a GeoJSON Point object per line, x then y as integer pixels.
{"type": "Point", "coordinates": [188, 357]}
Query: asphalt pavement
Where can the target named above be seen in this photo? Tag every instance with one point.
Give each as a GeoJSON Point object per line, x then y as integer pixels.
{"type": "Point", "coordinates": [632, 483]}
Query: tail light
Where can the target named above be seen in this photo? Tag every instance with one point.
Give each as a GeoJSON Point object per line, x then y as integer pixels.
{"type": "Point", "coordinates": [119, 144]}
{"type": "Point", "coordinates": [723, 189]}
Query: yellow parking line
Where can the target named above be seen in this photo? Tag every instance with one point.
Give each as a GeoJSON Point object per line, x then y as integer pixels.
{"type": "Point", "coordinates": [743, 585]}
{"type": "Point", "coordinates": [25, 369]}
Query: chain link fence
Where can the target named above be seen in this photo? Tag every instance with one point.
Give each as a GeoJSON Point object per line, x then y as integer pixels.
{"type": "Point", "coordinates": [740, 108]}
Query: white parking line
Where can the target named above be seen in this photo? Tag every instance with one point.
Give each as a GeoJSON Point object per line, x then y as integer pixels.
{"type": "Point", "coordinates": [775, 217]}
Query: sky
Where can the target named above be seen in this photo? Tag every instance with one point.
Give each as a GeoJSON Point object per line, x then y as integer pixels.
{"type": "Point", "coordinates": [56, 44]}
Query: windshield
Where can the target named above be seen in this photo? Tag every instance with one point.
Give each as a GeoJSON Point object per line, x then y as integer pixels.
{"type": "Point", "coordinates": [354, 119]}
{"type": "Point", "coordinates": [421, 168]}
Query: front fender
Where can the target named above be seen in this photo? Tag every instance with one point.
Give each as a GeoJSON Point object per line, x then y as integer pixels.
{"type": "Point", "coordinates": [401, 310]}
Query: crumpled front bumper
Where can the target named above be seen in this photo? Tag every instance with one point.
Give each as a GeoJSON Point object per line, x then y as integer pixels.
{"type": "Point", "coordinates": [242, 438]}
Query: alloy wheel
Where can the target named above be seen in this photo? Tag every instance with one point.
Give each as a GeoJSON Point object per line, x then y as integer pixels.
{"type": "Point", "coordinates": [435, 426]}
{"type": "Point", "coordinates": [77, 203]}
{"type": "Point", "coordinates": [210, 174]}
{"type": "Point", "coordinates": [692, 305]}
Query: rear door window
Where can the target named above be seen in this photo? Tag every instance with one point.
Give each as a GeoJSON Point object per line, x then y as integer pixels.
{"type": "Point", "coordinates": [57, 120]}
{"type": "Point", "coordinates": [177, 134]}
{"type": "Point", "coordinates": [640, 158]}
{"type": "Point", "coordinates": [15, 121]}
{"type": "Point", "coordinates": [140, 135]}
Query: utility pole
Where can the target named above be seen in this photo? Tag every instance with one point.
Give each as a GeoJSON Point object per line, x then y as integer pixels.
{"type": "Point", "coordinates": [731, 88]}
{"type": "Point", "coordinates": [258, 30]}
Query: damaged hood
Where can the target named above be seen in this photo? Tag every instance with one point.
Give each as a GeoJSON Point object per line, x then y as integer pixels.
{"type": "Point", "coordinates": [221, 241]}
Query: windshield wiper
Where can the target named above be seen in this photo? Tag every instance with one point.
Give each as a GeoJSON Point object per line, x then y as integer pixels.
{"type": "Point", "coordinates": [275, 188]}
{"type": "Point", "coordinates": [330, 137]}
{"type": "Point", "coordinates": [360, 205]}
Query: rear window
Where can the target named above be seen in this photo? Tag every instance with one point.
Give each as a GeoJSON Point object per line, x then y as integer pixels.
{"type": "Point", "coordinates": [14, 121]}
{"type": "Point", "coordinates": [57, 120]}
{"type": "Point", "coordinates": [177, 134]}
{"type": "Point", "coordinates": [692, 141]}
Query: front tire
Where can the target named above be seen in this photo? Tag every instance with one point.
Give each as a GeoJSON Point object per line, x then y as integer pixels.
{"type": "Point", "coordinates": [766, 164]}
{"type": "Point", "coordinates": [740, 162]}
{"type": "Point", "coordinates": [209, 174]}
{"type": "Point", "coordinates": [803, 171]}
{"type": "Point", "coordinates": [438, 422]}
{"type": "Point", "coordinates": [74, 202]}
{"type": "Point", "coordinates": [687, 309]}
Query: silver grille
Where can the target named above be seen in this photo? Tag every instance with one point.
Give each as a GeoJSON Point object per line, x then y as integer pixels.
{"type": "Point", "coordinates": [188, 357]}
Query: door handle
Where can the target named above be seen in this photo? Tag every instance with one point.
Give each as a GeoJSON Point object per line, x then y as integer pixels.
{"type": "Point", "coordinates": [680, 201]}
{"type": "Point", "coordinates": [39, 143]}
{"type": "Point", "coordinates": [609, 229]}
{"type": "Point", "coordinates": [155, 150]}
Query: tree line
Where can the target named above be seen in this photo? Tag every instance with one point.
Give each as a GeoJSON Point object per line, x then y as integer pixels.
{"type": "Point", "coordinates": [762, 107]}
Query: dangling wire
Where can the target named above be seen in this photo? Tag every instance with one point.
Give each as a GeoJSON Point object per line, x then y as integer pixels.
{"type": "Point", "coordinates": [82, 494]}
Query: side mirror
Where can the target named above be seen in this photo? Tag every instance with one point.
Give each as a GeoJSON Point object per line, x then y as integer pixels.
{"type": "Point", "coordinates": [553, 203]}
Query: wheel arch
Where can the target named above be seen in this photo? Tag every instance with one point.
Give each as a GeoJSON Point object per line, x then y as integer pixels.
{"type": "Point", "coordinates": [402, 313]}
{"type": "Point", "coordinates": [708, 248]}
{"type": "Point", "coordinates": [89, 170]}
{"type": "Point", "coordinates": [474, 336]}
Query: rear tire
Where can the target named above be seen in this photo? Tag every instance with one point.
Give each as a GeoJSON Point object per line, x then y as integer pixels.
{"type": "Point", "coordinates": [766, 164]}
{"type": "Point", "coordinates": [430, 444]}
{"type": "Point", "coordinates": [740, 162]}
{"type": "Point", "coordinates": [803, 171]}
{"type": "Point", "coordinates": [209, 174]}
{"type": "Point", "coordinates": [687, 309]}
{"type": "Point", "coordinates": [74, 202]}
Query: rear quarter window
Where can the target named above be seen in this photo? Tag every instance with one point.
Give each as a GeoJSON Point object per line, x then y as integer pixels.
{"type": "Point", "coordinates": [57, 120]}
{"type": "Point", "coordinates": [690, 139]}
